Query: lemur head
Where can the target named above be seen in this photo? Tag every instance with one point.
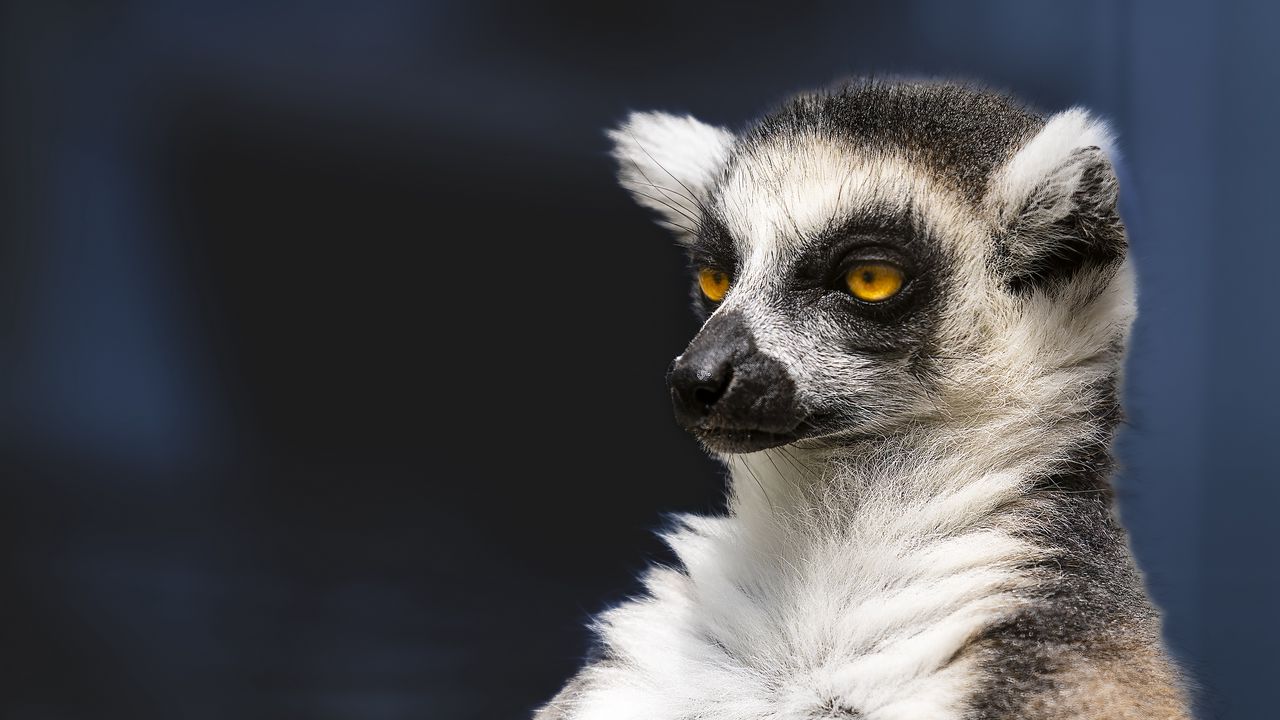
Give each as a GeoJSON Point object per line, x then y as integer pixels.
{"type": "Point", "coordinates": [882, 256]}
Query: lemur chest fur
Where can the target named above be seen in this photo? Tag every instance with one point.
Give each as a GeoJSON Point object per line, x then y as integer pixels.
{"type": "Point", "coordinates": [802, 605]}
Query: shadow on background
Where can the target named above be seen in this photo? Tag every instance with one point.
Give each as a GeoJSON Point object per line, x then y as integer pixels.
{"type": "Point", "coordinates": [332, 357]}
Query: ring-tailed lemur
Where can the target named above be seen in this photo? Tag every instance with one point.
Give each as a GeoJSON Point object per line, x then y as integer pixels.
{"type": "Point", "coordinates": [917, 301]}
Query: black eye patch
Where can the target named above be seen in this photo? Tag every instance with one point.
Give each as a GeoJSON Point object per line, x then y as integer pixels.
{"type": "Point", "coordinates": [870, 238]}
{"type": "Point", "coordinates": [900, 324]}
{"type": "Point", "coordinates": [713, 246]}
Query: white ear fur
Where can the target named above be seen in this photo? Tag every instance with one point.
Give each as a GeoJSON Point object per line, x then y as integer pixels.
{"type": "Point", "coordinates": [1054, 202]}
{"type": "Point", "coordinates": [1044, 165]}
{"type": "Point", "coordinates": [669, 163]}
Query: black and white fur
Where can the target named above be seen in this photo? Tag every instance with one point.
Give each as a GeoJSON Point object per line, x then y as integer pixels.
{"type": "Point", "coordinates": [928, 530]}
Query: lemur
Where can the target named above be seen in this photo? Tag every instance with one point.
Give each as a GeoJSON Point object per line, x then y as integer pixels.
{"type": "Point", "coordinates": [916, 301]}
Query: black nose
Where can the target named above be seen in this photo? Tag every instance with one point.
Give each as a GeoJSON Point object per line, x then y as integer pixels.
{"type": "Point", "coordinates": [698, 383]}
{"type": "Point", "coordinates": [723, 382]}
{"type": "Point", "coordinates": [704, 375]}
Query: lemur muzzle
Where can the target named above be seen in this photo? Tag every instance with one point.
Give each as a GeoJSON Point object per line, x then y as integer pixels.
{"type": "Point", "coordinates": [723, 382]}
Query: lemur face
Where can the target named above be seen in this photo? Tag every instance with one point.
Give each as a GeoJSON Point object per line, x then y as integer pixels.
{"type": "Point", "coordinates": [829, 293]}
{"type": "Point", "coordinates": [852, 261]}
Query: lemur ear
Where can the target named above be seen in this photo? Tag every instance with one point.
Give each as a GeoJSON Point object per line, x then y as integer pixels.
{"type": "Point", "coordinates": [1055, 203]}
{"type": "Point", "coordinates": [669, 163]}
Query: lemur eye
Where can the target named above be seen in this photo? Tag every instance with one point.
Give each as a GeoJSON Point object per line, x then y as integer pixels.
{"type": "Point", "coordinates": [874, 281]}
{"type": "Point", "coordinates": [714, 284]}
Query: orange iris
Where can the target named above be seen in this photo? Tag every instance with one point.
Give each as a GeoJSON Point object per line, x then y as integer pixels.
{"type": "Point", "coordinates": [874, 281]}
{"type": "Point", "coordinates": [714, 284]}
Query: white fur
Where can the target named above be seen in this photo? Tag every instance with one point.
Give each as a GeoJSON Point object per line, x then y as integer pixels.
{"type": "Point", "coordinates": [852, 590]}
{"type": "Point", "coordinates": [782, 192]}
{"type": "Point", "coordinates": [668, 163]}
{"type": "Point", "coordinates": [1062, 136]}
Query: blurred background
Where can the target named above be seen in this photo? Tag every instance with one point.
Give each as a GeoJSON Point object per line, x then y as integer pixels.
{"type": "Point", "coordinates": [331, 357]}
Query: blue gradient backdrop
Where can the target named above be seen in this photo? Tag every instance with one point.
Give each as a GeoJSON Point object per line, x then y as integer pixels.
{"type": "Point", "coordinates": [314, 402]}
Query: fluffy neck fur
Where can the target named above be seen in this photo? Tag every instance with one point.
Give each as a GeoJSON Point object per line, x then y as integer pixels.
{"type": "Point", "coordinates": [850, 574]}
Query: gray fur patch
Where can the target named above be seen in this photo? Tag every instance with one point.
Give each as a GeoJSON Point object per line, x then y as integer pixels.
{"type": "Point", "coordinates": [960, 133]}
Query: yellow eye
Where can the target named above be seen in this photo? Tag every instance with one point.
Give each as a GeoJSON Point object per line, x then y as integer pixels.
{"type": "Point", "coordinates": [714, 284]}
{"type": "Point", "coordinates": [874, 281]}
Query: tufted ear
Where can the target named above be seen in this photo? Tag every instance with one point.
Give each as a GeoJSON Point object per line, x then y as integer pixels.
{"type": "Point", "coordinates": [1055, 203]}
{"type": "Point", "coordinates": [669, 163]}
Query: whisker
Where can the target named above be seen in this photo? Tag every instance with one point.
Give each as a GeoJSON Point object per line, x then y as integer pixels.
{"type": "Point", "coordinates": [683, 227]}
{"type": "Point", "coordinates": [665, 189]}
{"type": "Point", "coordinates": [691, 194]}
{"type": "Point", "coordinates": [650, 181]}
{"type": "Point", "coordinates": [800, 465]}
{"type": "Point", "coordinates": [677, 208]}
{"type": "Point", "coordinates": [759, 484]}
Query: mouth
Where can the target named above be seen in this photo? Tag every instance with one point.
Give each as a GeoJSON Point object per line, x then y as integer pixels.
{"type": "Point", "coordinates": [733, 441]}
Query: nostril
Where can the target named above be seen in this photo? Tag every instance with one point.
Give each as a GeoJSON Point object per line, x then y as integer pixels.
{"type": "Point", "coordinates": [699, 384]}
{"type": "Point", "coordinates": [709, 390]}
{"type": "Point", "coordinates": [706, 395]}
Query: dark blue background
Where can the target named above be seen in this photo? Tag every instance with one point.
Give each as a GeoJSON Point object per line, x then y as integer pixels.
{"type": "Point", "coordinates": [332, 358]}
